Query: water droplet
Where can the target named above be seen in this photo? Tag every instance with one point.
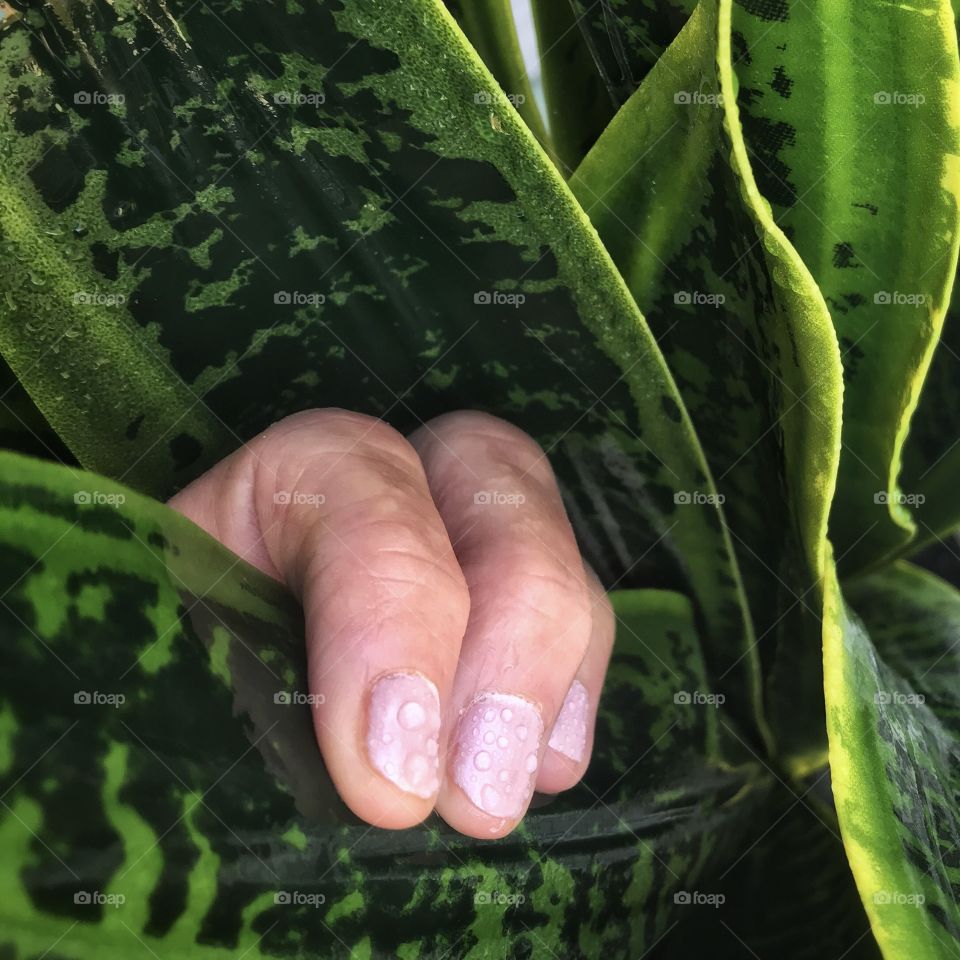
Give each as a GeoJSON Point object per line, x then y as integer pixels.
{"type": "Point", "coordinates": [531, 762]}
{"type": "Point", "coordinates": [503, 776]}
{"type": "Point", "coordinates": [489, 715]}
{"type": "Point", "coordinates": [521, 732]}
{"type": "Point", "coordinates": [506, 714]}
{"type": "Point", "coordinates": [37, 280]}
{"type": "Point", "coordinates": [489, 798]}
{"type": "Point", "coordinates": [386, 738]}
{"type": "Point", "coordinates": [411, 715]}
{"type": "Point", "coordinates": [432, 747]}
{"type": "Point", "coordinates": [482, 760]}
{"type": "Point", "coordinates": [502, 742]}
{"type": "Point", "coordinates": [417, 768]}
{"type": "Point", "coordinates": [489, 737]}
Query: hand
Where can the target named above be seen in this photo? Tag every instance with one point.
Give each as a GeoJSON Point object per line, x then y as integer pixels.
{"type": "Point", "coordinates": [456, 639]}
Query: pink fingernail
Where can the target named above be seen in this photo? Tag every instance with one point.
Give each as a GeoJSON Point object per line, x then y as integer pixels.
{"type": "Point", "coordinates": [498, 748]}
{"type": "Point", "coordinates": [403, 732]}
{"type": "Point", "coordinates": [569, 734]}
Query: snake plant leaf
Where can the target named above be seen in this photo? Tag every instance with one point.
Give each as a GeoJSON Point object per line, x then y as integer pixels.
{"type": "Point", "coordinates": [831, 152]}
{"type": "Point", "coordinates": [578, 103]}
{"type": "Point", "coordinates": [627, 37]}
{"type": "Point", "coordinates": [931, 463]}
{"type": "Point", "coordinates": [670, 188]}
{"type": "Point", "coordinates": [162, 790]}
{"type": "Point", "coordinates": [490, 26]}
{"type": "Point", "coordinates": [305, 206]}
{"type": "Point", "coordinates": [832, 148]}
{"type": "Point", "coordinates": [790, 893]}
{"type": "Point", "coordinates": [893, 705]}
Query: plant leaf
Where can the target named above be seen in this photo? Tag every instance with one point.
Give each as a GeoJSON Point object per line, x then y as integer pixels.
{"type": "Point", "coordinates": [490, 26]}
{"type": "Point", "coordinates": [833, 146]}
{"type": "Point", "coordinates": [183, 214]}
{"type": "Point", "coordinates": [746, 333]}
{"type": "Point", "coordinates": [199, 798]}
{"type": "Point", "coordinates": [892, 709]}
{"type": "Point", "coordinates": [577, 101]}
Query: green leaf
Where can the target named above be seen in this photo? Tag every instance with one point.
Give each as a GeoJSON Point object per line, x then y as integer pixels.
{"type": "Point", "coordinates": [850, 112]}
{"type": "Point", "coordinates": [747, 336]}
{"type": "Point", "coordinates": [490, 26]}
{"type": "Point", "coordinates": [893, 707]}
{"type": "Point", "coordinates": [578, 103]}
{"type": "Point", "coordinates": [628, 37]}
{"type": "Point", "coordinates": [198, 798]}
{"type": "Point", "coordinates": [164, 234]}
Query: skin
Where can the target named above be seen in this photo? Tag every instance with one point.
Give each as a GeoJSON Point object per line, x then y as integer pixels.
{"type": "Point", "coordinates": [401, 566]}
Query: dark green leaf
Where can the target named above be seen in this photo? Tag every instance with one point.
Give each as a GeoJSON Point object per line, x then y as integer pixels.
{"type": "Point", "coordinates": [198, 798]}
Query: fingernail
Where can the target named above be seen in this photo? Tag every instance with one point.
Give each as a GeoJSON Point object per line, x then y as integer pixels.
{"type": "Point", "coordinates": [498, 746]}
{"type": "Point", "coordinates": [403, 732]}
{"type": "Point", "coordinates": [569, 734]}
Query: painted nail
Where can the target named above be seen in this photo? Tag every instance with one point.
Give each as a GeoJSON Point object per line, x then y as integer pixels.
{"type": "Point", "coordinates": [569, 734]}
{"type": "Point", "coordinates": [498, 746]}
{"type": "Point", "coordinates": [403, 732]}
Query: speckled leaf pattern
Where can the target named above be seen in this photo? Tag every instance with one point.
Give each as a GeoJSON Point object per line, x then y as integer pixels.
{"type": "Point", "coordinates": [158, 797]}
{"type": "Point", "coordinates": [893, 708]}
{"type": "Point", "coordinates": [301, 206]}
{"type": "Point", "coordinates": [746, 333]}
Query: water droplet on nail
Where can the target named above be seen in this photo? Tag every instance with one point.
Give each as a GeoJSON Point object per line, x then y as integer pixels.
{"type": "Point", "coordinates": [482, 760]}
{"type": "Point", "coordinates": [411, 715]}
{"type": "Point", "coordinates": [488, 715]}
{"type": "Point", "coordinates": [489, 737]}
{"type": "Point", "coordinates": [503, 776]}
{"type": "Point", "coordinates": [505, 714]}
{"type": "Point", "coordinates": [521, 732]}
{"type": "Point", "coordinates": [386, 738]}
{"type": "Point", "coordinates": [432, 747]}
{"type": "Point", "coordinates": [489, 798]}
{"type": "Point", "coordinates": [531, 763]}
{"type": "Point", "coordinates": [502, 742]}
{"type": "Point", "coordinates": [417, 768]}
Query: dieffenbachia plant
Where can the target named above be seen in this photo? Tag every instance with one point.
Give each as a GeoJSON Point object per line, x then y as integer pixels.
{"type": "Point", "coordinates": [710, 272]}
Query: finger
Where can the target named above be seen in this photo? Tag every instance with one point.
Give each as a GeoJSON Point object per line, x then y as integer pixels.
{"type": "Point", "coordinates": [337, 506]}
{"type": "Point", "coordinates": [571, 739]}
{"type": "Point", "coordinates": [529, 612]}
